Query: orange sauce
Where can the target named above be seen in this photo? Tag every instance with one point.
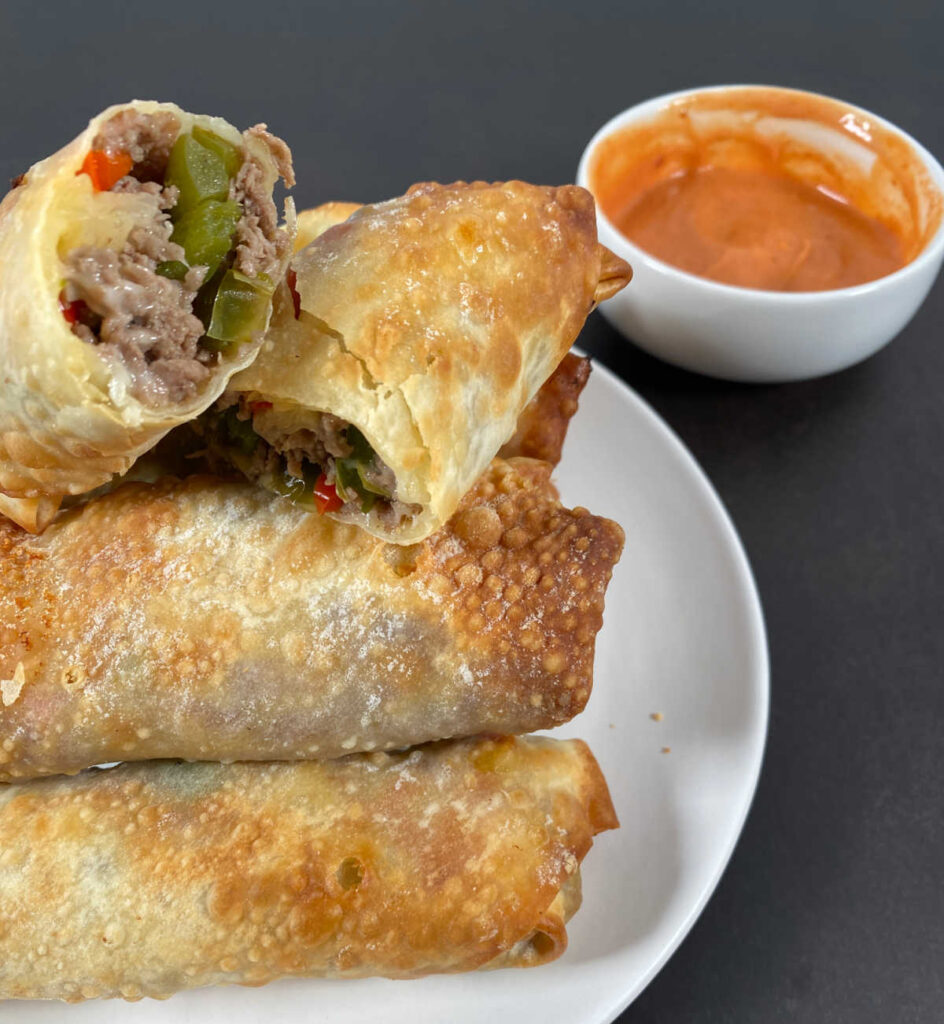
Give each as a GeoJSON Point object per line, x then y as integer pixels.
{"type": "Point", "coordinates": [726, 186]}
{"type": "Point", "coordinates": [759, 230]}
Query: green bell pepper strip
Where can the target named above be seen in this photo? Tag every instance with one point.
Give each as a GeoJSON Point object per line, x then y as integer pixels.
{"type": "Point", "coordinates": [239, 310]}
{"type": "Point", "coordinates": [206, 233]}
{"type": "Point", "coordinates": [346, 480]}
{"type": "Point", "coordinates": [174, 269]}
{"type": "Point", "coordinates": [226, 151]}
{"type": "Point", "coordinates": [206, 296]}
{"type": "Point", "coordinates": [349, 482]}
{"type": "Point", "coordinates": [199, 174]}
{"type": "Point", "coordinates": [366, 484]}
{"type": "Point", "coordinates": [300, 491]}
{"type": "Point", "coordinates": [353, 469]}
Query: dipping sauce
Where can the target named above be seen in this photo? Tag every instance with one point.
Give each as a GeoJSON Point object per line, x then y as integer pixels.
{"type": "Point", "coordinates": [759, 230]}
{"type": "Point", "coordinates": [771, 189]}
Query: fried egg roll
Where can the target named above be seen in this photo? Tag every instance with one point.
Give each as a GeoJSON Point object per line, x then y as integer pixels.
{"type": "Point", "coordinates": [211, 620]}
{"type": "Point", "coordinates": [137, 267]}
{"type": "Point", "coordinates": [542, 424]}
{"type": "Point", "coordinates": [405, 344]}
{"type": "Point", "coordinates": [143, 880]}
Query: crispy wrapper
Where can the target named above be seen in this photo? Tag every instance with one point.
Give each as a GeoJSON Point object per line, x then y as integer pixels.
{"type": "Point", "coordinates": [317, 220]}
{"type": "Point", "coordinates": [210, 620]}
{"type": "Point", "coordinates": [542, 425]}
{"type": "Point", "coordinates": [429, 322]}
{"type": "Point", "coordinates": [33, 514]}
{"type": "Point", "coordinates": [68, 421]}
{"type": "Point", "coordinates": [146, 879]}
{"type": "Point", "coordinates": [542, 429]}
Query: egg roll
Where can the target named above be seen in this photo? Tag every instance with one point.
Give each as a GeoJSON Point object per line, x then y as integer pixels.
{"type": "Point", "coordinates": [211, 620]}
{"type": "Point", "coordinates": [542, 424]}
{"type": "Point", "coordinates": [404, 345]}
{"type": "Point", "coordinates": [143, 880]}
{"type": "Point", "coordinates": [137, 267]}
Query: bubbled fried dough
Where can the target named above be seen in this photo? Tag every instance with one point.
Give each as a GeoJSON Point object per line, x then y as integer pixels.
{"type": "Point", "coordinates": [209, 620]}
{"type": "Point", "coordinates": [147, 879]}
{"type": "Point", "coordinates": [522, 583]}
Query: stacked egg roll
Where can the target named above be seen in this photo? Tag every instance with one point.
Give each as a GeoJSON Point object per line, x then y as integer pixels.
{"type": "Point", "coordinates": [324, 677]}
{"type": "Point", "coordinates": [210, 620]}
{"type": "Point", "coordinates": [138, 613]}
{"type": "Point", "coordinates": [405, 345]}
{"type": "Point", "coordinates": [143, 880]}
{"type": "Point", "coordinates": [542, 424]}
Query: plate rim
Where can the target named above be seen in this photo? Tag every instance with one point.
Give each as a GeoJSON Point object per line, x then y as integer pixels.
{"type": "Point", "coordinates": [620, 995]}
{"type": "Point", "coordinates": [760, 656]}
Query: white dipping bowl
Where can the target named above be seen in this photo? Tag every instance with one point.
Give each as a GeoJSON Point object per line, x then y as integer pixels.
{"type": "Point", "coordinates": [748, 334]}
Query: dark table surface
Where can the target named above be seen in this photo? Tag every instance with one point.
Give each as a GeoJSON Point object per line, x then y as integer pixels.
{"type": "Point", "coordinates": [832, 909]}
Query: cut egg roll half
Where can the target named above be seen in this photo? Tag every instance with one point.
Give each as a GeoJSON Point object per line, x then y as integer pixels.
{"type": "Point", "coordinates": [405, 344]}
{"type": "Point", "coordinates": [137, 267]}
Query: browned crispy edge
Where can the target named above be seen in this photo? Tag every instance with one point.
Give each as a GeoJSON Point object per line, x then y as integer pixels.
{"type": "Point", "coordinates": [543, 423]}
{"type": "Point", "coordinates": [528, 582]}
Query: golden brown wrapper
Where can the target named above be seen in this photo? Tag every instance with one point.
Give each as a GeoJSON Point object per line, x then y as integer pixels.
{"type": "Point", "coordinates": [146, 879]}
{"type": "Point", "coordinates": [542, 425]}
{"type": "Point", "coordinates": [33, 514]}
{"type": "Point", "coordinates": [429, 322]}
{"type": "Point", "coordinates": [316, 221]}
{"type": "Point", "coordinates": [208, 619]}
{"type": "Point", "coordinates": [68, 421]}
{"type": "Point", "coordinates": [542, 429]}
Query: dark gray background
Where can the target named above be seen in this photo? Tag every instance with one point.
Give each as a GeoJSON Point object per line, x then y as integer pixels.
{"type": "Point", "coordinates": [832, 909]}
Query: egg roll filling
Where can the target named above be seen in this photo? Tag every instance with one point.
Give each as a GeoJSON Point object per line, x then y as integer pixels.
{"type": "Point", "coordinates": [193, 277]}
{"type": "Point", "coordinates": [321, 463]}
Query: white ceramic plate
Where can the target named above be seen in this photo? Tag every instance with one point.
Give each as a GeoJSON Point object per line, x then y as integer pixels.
{"type": "Point", "coordinates": [683, 636]}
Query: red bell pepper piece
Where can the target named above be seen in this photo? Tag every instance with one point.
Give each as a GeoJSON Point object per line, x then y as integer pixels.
{"type": "Point", "coordinates": [259, 406]}
{"type": "Point", "coordinates": [326, 496]}
{"type": "Point", "coordinates": [106, 169]}
{"type": "Point", "coordinates": [71, 311]}
{"type": "Point", "coordinates": [296, 298]}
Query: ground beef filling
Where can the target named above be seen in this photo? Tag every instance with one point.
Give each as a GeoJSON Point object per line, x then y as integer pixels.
{"type": "Point", "coordinates": [119, 301]}
{"type": "Point", "coordinates": [148, 138]}
{"type": "Point", "coordinates": [299, 452]}
{"type": "Point", "coordinates": [132, 313]}
{"type": "Point", "coordinates": [260, 246]}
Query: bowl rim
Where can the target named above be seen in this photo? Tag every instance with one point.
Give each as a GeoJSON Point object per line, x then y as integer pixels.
{"type": "Point", "coordinates": [930, 254]}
